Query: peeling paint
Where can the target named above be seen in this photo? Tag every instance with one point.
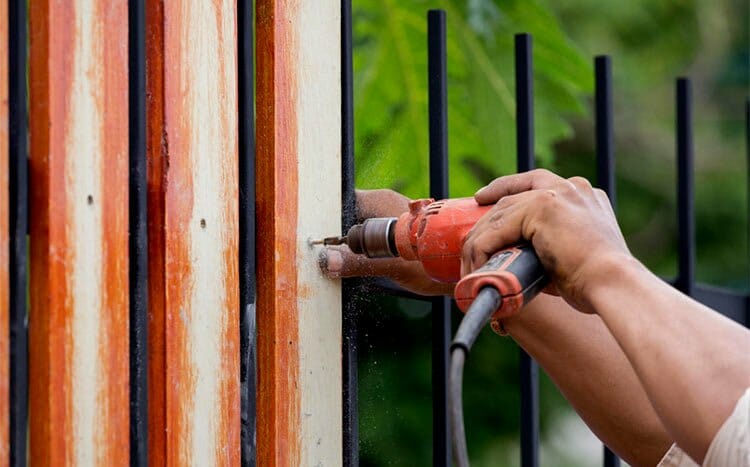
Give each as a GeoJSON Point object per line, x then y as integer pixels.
{"type": "Point", "coordinates": [193, 133]}
{"type": "Point", "coordinates": [78, 318]}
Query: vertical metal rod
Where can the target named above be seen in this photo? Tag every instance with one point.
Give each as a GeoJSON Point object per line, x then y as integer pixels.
{"type": "Point", "coordinates": [348, 218]}
{"type": "Point", "coordinates": [138, 239]}
{"type": "Point", "coordinates": [747, 185]}
{"type": "Point", "coordinates": [246, 109]}
{"type": "Point", "coordinates": [525, 160]}
{"type": "Point", "coordinates": [18, 222]}
{"type": "Point", "coordinates": [605, 158]}
{"type": "Point", "coordinates": [441, 306]}
{"type": "Point", "coordinates": [685, 194]}
{"type": "Point", "coordinates": [524, 103]}
{"type": "Point", "coordinates": [605, 146]}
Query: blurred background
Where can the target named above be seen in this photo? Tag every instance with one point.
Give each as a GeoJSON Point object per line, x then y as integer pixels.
{"type": "Point", "coordinates": [651, 43]}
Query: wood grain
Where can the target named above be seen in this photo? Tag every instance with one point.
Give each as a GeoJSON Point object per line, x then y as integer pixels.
{"type": "Point", "coordinates": [78, 319]}
{"type": "Point", "coordinates": [298, 197]}
{"type": "Point", "coordinates": [194, 404]}
{"type": "Point", "coordinates": [4, 241]}
{"type": "Point", "coordinates": [278, 395]}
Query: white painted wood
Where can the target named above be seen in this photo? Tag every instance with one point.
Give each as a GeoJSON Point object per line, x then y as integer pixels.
{"type": "Point", "coordinates": [84, 190]}
{"type": "Point", "coordinates": [212, 89]}
{"type": "Point", "coordinates": [319, 215]}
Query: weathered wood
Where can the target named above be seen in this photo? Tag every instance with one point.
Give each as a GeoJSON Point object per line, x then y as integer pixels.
{"type": "Point", "coordinates": [298, 197]}
{"type": "Point", "coordinates": [4, 240]}
{"type": "Point", "coordinates": [194, 404]}
{"type": "Point", "coordinates": [78, 320]}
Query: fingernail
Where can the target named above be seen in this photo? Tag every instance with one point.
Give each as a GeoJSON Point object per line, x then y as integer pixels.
{"type": "Point", "coordinates": [331, 261]}
{"type": "Point", "coordinates": [480, 191]}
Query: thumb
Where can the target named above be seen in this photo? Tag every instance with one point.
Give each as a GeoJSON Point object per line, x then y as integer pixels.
{"type": "Point", "coordinates": [339, 261]}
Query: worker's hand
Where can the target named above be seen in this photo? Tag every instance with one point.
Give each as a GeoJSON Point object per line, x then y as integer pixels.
{"type": "Point", "coordinates": [339, 261]}
{"type": "Point", "coordinates": [570, 224]}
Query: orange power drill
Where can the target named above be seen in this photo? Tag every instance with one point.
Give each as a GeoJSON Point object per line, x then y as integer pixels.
{"type": "Point", "coordinates": [433, 232]}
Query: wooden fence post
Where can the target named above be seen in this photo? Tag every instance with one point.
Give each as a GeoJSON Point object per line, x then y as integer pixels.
{"type": "Point", "coordinates": [194, 401]}
{"type": "Point", "coordinates": [298, 193]}
{"type": "Point", "coordinates": [78, 320]}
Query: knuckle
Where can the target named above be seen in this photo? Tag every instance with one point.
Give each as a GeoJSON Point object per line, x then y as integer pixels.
{"type": "Point", "coordinates": [495, 218]}
{"type": "Point", "coordinates": [546, 176]}
{"type": "Point", "coordinates": [503, 203]}
{"type": "Point", "coordinates": [601, 194]}
{"type": "Point", "coordinates": [499, 181]}
{"type": "Point", "coordinates": [548, 199]}
{"type": "Point", "coordinates": [467, 248]}
{"type": "Point", "coordinates": [566, 186]}
{"type": "Point", "coordinates": [580, 182]}
{"type": "Point", "coordinates": [549, 195]}
{"type": "Point", "coordinates": [542, 172]}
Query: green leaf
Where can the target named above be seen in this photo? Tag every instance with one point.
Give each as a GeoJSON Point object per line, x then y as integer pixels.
{"type": "Point", "coordinates": [390, 61]}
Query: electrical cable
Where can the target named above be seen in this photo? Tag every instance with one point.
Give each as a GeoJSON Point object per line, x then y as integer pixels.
{"type": "Point", "coordinates": [479, 313]}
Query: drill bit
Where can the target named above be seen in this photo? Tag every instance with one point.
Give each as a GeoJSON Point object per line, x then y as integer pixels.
{"type": "Point", "coordinates": [339, 240]}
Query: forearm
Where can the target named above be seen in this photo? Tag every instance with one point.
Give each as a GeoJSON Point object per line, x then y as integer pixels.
{"type": "Point", "coordinates": [588, 366]}
{"type": "Point", "coordinates": [692, 362]}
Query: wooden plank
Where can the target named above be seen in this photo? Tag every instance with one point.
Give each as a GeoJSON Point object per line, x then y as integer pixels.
{"type": "Point", "coordinates": [4, 242]}
{"type": "Point", "coordinates": [298, 197]}
{"type": "Point", "coordinates": [194, 404]}
{"type": "Point", "coordinates": [78, 320]}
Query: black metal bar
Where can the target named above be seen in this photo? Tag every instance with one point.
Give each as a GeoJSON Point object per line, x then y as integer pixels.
{"type": "Point", "coordinates": [747, 185]}
{"type": "Point", "coordinates": [441, 306]}
{"type": "Point", "coordinates": [138, 239]}
{"type": "Point", "coordinates": [610, 458]}
{"type": "Point", "coordinates": [246, 109]}
{"type": "Point", "coordinates": [524, 103]}
{"type": "Point", "coordinates": [18, 220]}
{"type": "Point", "coordinates": [729, 303]}
{"type": "Point", "coordinates": [384, 286]}
{"type": "Point", "coordinates": [348, 218]}
{"type": "Point", "coordinates": [685, 198]}
{"type": "Point", "coordinates": [605, 146]}
{"type": "Point", "coordinates": [605, 158]}
{"type": "Point", "coordinates": [525, 160]}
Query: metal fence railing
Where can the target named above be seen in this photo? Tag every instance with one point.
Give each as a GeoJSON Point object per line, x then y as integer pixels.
{"type": "Point", "coordinates": [732, 304]}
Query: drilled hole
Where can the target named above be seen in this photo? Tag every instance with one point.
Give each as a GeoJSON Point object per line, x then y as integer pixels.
{"type": "Point", "coordinates": [90, 200]}
{"type": "Point", "coordinates": [203, 223]}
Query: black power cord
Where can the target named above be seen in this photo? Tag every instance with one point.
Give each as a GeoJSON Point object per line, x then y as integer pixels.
{"type": "Point", "coordinates": [479, 313]}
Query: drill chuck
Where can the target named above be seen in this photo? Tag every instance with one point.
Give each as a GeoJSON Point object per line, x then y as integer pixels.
{"type": "Point", "coordinates": [375, 238]}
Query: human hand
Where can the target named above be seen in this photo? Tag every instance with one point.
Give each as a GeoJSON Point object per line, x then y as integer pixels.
{"type": "Point", "coordinates": [339, 261]}
{"type": "Point", "coordinates": [570, 224]}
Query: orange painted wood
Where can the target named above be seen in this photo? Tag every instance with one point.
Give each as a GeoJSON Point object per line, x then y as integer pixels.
{"type": "Point", "coordinates": [298, 166]}
{"type": "Point", "coordinates": [278, 397]}
{"type": "Point", "coordinates": [194, 403]}
{"type": "Point", "coordinates": [78, 319]}
{"type": "Point", "coordinates": [4, 239]}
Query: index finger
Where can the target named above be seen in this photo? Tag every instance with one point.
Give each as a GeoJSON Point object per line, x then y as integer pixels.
{"type": "Point", "coordinates": [513, 184]}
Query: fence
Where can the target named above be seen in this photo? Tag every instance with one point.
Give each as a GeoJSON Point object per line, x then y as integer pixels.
{"type": "Point", "coordinates": [732, 304]}
{"type": "Point", "coordinates": [129, 215]}
{"type": "Point", "coordinates": [126, 181]}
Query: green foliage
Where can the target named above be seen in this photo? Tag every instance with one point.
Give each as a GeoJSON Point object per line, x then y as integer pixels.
{"type": "Point", "coordinates": [390, 63]}
{"type": "Point", "coordinates": [651, 43]}
{"type": "Point", "coordinates": [395, 388]}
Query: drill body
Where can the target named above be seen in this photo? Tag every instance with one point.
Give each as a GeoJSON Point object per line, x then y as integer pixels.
{"type": "Point", "coordinates": [433, 233]}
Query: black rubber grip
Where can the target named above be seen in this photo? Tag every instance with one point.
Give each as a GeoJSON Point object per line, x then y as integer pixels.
{"type": "Point", "coordinates": [529, 271]}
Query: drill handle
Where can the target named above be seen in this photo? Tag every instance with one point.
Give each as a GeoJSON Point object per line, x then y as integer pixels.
{"type": "Point", "coordinates": [516, 272]}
